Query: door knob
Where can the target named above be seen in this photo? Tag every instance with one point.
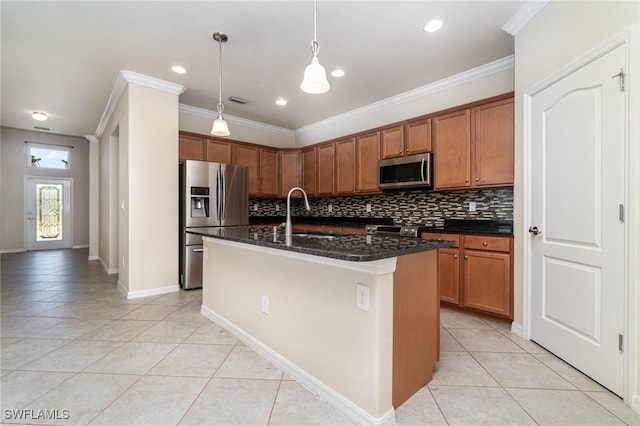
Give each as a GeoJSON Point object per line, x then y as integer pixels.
{"type": "Point", "coordinates": [534, 230]}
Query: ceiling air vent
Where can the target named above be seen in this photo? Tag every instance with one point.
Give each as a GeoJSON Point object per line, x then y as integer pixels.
{"type": "Point", "coordinates": [46, 129]}
{"type": "Point", "coordinates": [238, 100]}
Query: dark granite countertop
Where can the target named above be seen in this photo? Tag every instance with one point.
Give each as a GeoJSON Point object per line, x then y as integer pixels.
{"type": "Point", "coordinates": [473, 226]}
{"type": "Point", "coordinates": [322, 220]}
{"type": "Point", "coordinates": [354, 248]}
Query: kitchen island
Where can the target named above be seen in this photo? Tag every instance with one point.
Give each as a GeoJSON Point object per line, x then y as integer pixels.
{"type": "Point", "coordinates": [354, 318]}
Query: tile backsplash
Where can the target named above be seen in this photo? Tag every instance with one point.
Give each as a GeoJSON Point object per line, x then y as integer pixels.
{"type": "Point", "coordinates": [406, 207]}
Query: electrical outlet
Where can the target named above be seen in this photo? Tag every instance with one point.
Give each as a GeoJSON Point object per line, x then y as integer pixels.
{"type": "Point", "coordinates": [368, 208]}
{"type": "Point", "coordinates": [362, 297]}
{"type": "Point", "coordinates": [277, 207]}
{"type": "Point", "coordinates": [472, 206]}
{"type": "Point", "coordinates": [265, 304]}
{"type": "Point", "coordinates": [255, 207]}
{"type": "Point", "coordinates": [330, 208]}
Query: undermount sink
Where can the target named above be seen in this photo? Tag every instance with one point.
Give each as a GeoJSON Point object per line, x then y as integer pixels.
{"type": "Point", "coordinates": [315, 234]}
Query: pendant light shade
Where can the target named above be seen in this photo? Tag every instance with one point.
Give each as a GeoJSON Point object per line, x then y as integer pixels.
{"type": "Point", "coordinates": [315, 76]}
{"type": "Point", "coordinates": [220, 127]}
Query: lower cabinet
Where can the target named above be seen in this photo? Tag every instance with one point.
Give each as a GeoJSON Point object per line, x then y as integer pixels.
{"type": "Point", "coordinates": [476, 273]}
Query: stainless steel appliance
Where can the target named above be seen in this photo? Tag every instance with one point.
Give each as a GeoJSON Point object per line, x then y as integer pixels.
{"type": "Point", "coordinates": [412, 171]}
{"type": "Point", "coordinates": [211, 194]}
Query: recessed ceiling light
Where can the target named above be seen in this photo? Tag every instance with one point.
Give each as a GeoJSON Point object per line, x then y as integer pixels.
{"type": "Point", "coordinates": [178, 69]}
{"type": "Point", "coordinates": [433, 25]}
{"type": "Point", "coordinates": [281, 101]}
{"type": "Point", "coordinates": [337, 72]}
{"type": "Point", "coordinates": [40, 116]}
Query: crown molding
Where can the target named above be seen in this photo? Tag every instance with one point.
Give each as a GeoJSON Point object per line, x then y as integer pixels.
{"type": "Point", "coordinates": [208, 114]}
{"type": "Point", "coordinates": [126, 77]}
{"type": "Point", "coordinates": [528, 10]}
{"type": "Point", "coordinates": [446, 83]}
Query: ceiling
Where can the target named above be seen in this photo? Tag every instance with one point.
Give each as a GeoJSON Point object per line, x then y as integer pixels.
{"type": "Point", "coordinates": [63, 58]}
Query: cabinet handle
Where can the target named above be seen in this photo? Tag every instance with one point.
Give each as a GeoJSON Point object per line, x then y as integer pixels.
{"type": "Point", "coordinates": [466, 257]}
{"type": "Point", "coordinates": [484, 243]}
{"type": "Point", "coordinates": [477, 179]}
{"type": "Point", "coordinates": [455, 256]}
{"type": "Point", "coordinates": [466, 180]}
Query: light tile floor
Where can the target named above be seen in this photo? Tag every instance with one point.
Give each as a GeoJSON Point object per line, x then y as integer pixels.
{"type": "Point", "coordinates": [70, 341]}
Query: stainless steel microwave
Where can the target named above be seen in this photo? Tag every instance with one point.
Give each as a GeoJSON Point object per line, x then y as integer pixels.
{"type": "Point", "coordinates": [412, 171]}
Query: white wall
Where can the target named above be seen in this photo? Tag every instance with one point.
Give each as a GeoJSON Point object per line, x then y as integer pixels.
{"type": "Point", "coordinates": [560, 33]}
{"type": "Point", "coordinates": [14, 157]}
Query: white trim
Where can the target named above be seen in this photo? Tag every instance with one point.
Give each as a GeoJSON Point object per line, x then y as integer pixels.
{"type": "Point", "coordinates": [517, 329]}
{"type": "Point", "coordinates": [377, 267]}
{"type": "Point", "coordinates": [211, 115]}
{"type": "Point", "coordinates": [16, 250]}
{"type": "Point", "coordinates": [79, 246]}
{"type": "Point", "coordinates": [523, 16]}
{"type": "Point", "coordinates": [635, 403]}
{"type": "Point", "coordinates": [124, 78]}
{"type": "Point", "coordinates": [357, 414]}
{"type": "Point", "coordinates": [146, 293]}
{"type": "Point", "coordinates": [105, 267]}
{"type": "Point", "coordinates": [93, 258]}
{"type": "Point", "coordinates": [626, 38]}
{"type": "Point", "coordinates": [437, 86]}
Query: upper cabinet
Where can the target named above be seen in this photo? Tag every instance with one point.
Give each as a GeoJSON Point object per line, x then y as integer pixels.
{"type": "Point", "coordinates": [346, 166]}
{"type": "Point", "coordinates": [493, 143]}
{"type": "Point", "coordinates": [268, 173]}
{"type": "Point", "coordinates": [289, 171]}
{"type": "Point", "coordinates": [248, 155]}
{"type": "Point", "coordinates": [219, 151]}
{"type": "Point", "coordinates": [474, 147]}
{"type": "Point", "coordinates": [190, 148]}
{"type": "Point", "coordinates": [326, 169]}
{"type": "Point", "coordinates": [310, 170]}
{"type": "Point", "coordinates": [411, 138]}
{"type": "Point", "coordinates": [367, 157]}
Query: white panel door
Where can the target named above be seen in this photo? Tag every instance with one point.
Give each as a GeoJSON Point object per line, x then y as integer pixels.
{"type": "Point", "coordinates": [577, 190]}
{"type": "Point", "coordinates": [48, 213]}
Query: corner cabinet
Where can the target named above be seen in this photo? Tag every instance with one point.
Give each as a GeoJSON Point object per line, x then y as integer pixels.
{"type": "Point", "coordinates": [289, 171]}
{"type": "Point", "coordinates": [473, 147]}
{"type": "Point", "coordinates": [325, 163]}
{"type": "Point", "coordinates": [476, 273]}
{"type": "Point", "coordinates": [310, 170]}
{"type": "Point", "coordinates": [346, 166]}
{"type": "Point", "coordinates": [269, 173]}
{"type": "Point", "coordinates": [249, 156]}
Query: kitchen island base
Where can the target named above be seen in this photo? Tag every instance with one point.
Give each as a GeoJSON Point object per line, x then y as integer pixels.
{"type": "Point", "coordinates": [299, 311]}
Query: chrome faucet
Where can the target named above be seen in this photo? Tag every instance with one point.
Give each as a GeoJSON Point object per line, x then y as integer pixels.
{"type": "Point", "coordinates": [288, 232]}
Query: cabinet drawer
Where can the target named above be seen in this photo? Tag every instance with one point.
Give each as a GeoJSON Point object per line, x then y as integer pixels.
{"type": "Point", "coordinates": [480, 242]}
{"type": "Point", "coordinates": [443, 237]}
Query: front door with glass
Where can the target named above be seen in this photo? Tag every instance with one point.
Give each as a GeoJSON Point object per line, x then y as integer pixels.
{"type": "Point", "coordinates": [48, 213]}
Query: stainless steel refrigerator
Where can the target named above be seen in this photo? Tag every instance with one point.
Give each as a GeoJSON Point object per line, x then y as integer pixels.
{"type": "Point", "coordinates": [211, 194]}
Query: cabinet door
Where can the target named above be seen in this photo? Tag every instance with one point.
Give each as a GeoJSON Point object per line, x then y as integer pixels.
{"type": "Point", "coordinates": [393, 142]}
{"type": "Point", "coordinates": [418, 135]}
{"type": "Point", "coordinates": [449, 274]}
{"type": "Point", "coordinates": [326, 169]}
{"type": "Point", "coordinates": [249, 156]}
{"type": "Point", "coordinates": [487, 281]}
{"type": "Point", "coordinates": [368, 155]}
{"type": "Point", "coordinates": [190, 148]}
{"type": "Point", "coordinates": [493, 144]}
{"type": "Point", "coordinates": [289, 172]}
{"type": "Point", "coordinates": [269, 171]}
{"type": "Point", "coordinates": [452, 150]}
{"type": "Point", "coordinates": [346, 166]}
{"type": "Point", "coordinates": [309, 171]}
{"type": "Point", "coordinates": [218, 151]}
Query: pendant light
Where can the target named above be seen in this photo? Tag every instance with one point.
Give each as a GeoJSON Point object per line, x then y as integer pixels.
{"type": "Point", "coordinates": [220, 127]}
{"type": "Point", "coordinates": [315, 77]}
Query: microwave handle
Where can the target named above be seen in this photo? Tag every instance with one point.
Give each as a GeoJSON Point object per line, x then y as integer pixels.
{"type": "Point", "coordinates": [422, 169]}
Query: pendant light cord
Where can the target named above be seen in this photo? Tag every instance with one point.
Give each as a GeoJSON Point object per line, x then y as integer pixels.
{"type": "Point", "coordinates": [220, 106]}
{"type": "Point", "coordinates": [315, 47]}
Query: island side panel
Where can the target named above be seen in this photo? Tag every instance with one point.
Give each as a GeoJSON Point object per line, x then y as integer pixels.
{"type": "Point", "coordinates": [313, 320]}
{"type": "Point", "coordinates": [416, 323]}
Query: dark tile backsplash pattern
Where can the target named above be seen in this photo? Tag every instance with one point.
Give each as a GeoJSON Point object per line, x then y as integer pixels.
{"type": "Point", "coordinates": [410, 207]}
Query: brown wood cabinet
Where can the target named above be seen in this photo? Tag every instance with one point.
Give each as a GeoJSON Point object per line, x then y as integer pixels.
{"type": "Point", "coordinates": [310, 170]}
{"type": "Point", "coordinates": [476, 273]}
{"type": "Point", "coordinates": [493, 144]}
{"type": "Point", "coordinates": [289, 171]}
{"type": "Point", "coordinates": [474, 147]}
{"type": "Point", "coordinates": [393, 142]}
{"type": "Point", "coordinates": [367, 157]}
{"type": "Point", "coordinates": [190, 148]}
{"type": "Point", "coordinates": [248, 155]}
{"type": "Point", "coordinates": [269, 185]}
{"type": "Point", "coordinates": [219, 151]}
{"type": "Point", "coordinates": [418, 136]}
{"type": "Point", "coordinates": [326, 169]}
{"type": "Point", "coordinates": [346, 166]}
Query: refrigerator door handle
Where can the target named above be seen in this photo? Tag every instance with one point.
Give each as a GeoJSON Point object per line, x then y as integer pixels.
{"type": "Point", "coordinates": [218, 192]}
{"type": "Point", "coordinates": [223, 194]}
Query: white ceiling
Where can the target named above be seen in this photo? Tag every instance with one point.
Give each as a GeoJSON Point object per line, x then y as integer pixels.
{"type": "Point", "coordinates": [63, 58]}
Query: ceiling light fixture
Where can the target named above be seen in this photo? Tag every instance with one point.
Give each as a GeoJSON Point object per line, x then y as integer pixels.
{"type": "Point", "coordinates": [40, 116]}
{"type": "Point", "coordinates": [315, 77]}
{"type": "Point", "coordinates": [433, 25]}
{"type": "Point", "coordinates": [178, 69]}
{"type": "Point", "coordinates": [281, 101]}
{"type": "Point", "coordinates": [220, 127]}
{"type": "Point", "coordinates": [337, 72]}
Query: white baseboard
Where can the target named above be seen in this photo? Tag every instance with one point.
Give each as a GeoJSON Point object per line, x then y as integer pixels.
{"type": "Point", "coordinates": [146, 293]}
{"type": "Point", "coordinates": [94, 258]}
{"type": "Point", "coordinates": [635, 403]}
{"type": "Point", "coordinates": [357, 414]}
{"type": "Point", "coordinates": [109, 271]}
{"type": "Point", "coordinates": [517, 329]}
{"type": "Point", "coordinates": [79, 246]}
{"type": "Point", "coordinates": [16, 250]}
